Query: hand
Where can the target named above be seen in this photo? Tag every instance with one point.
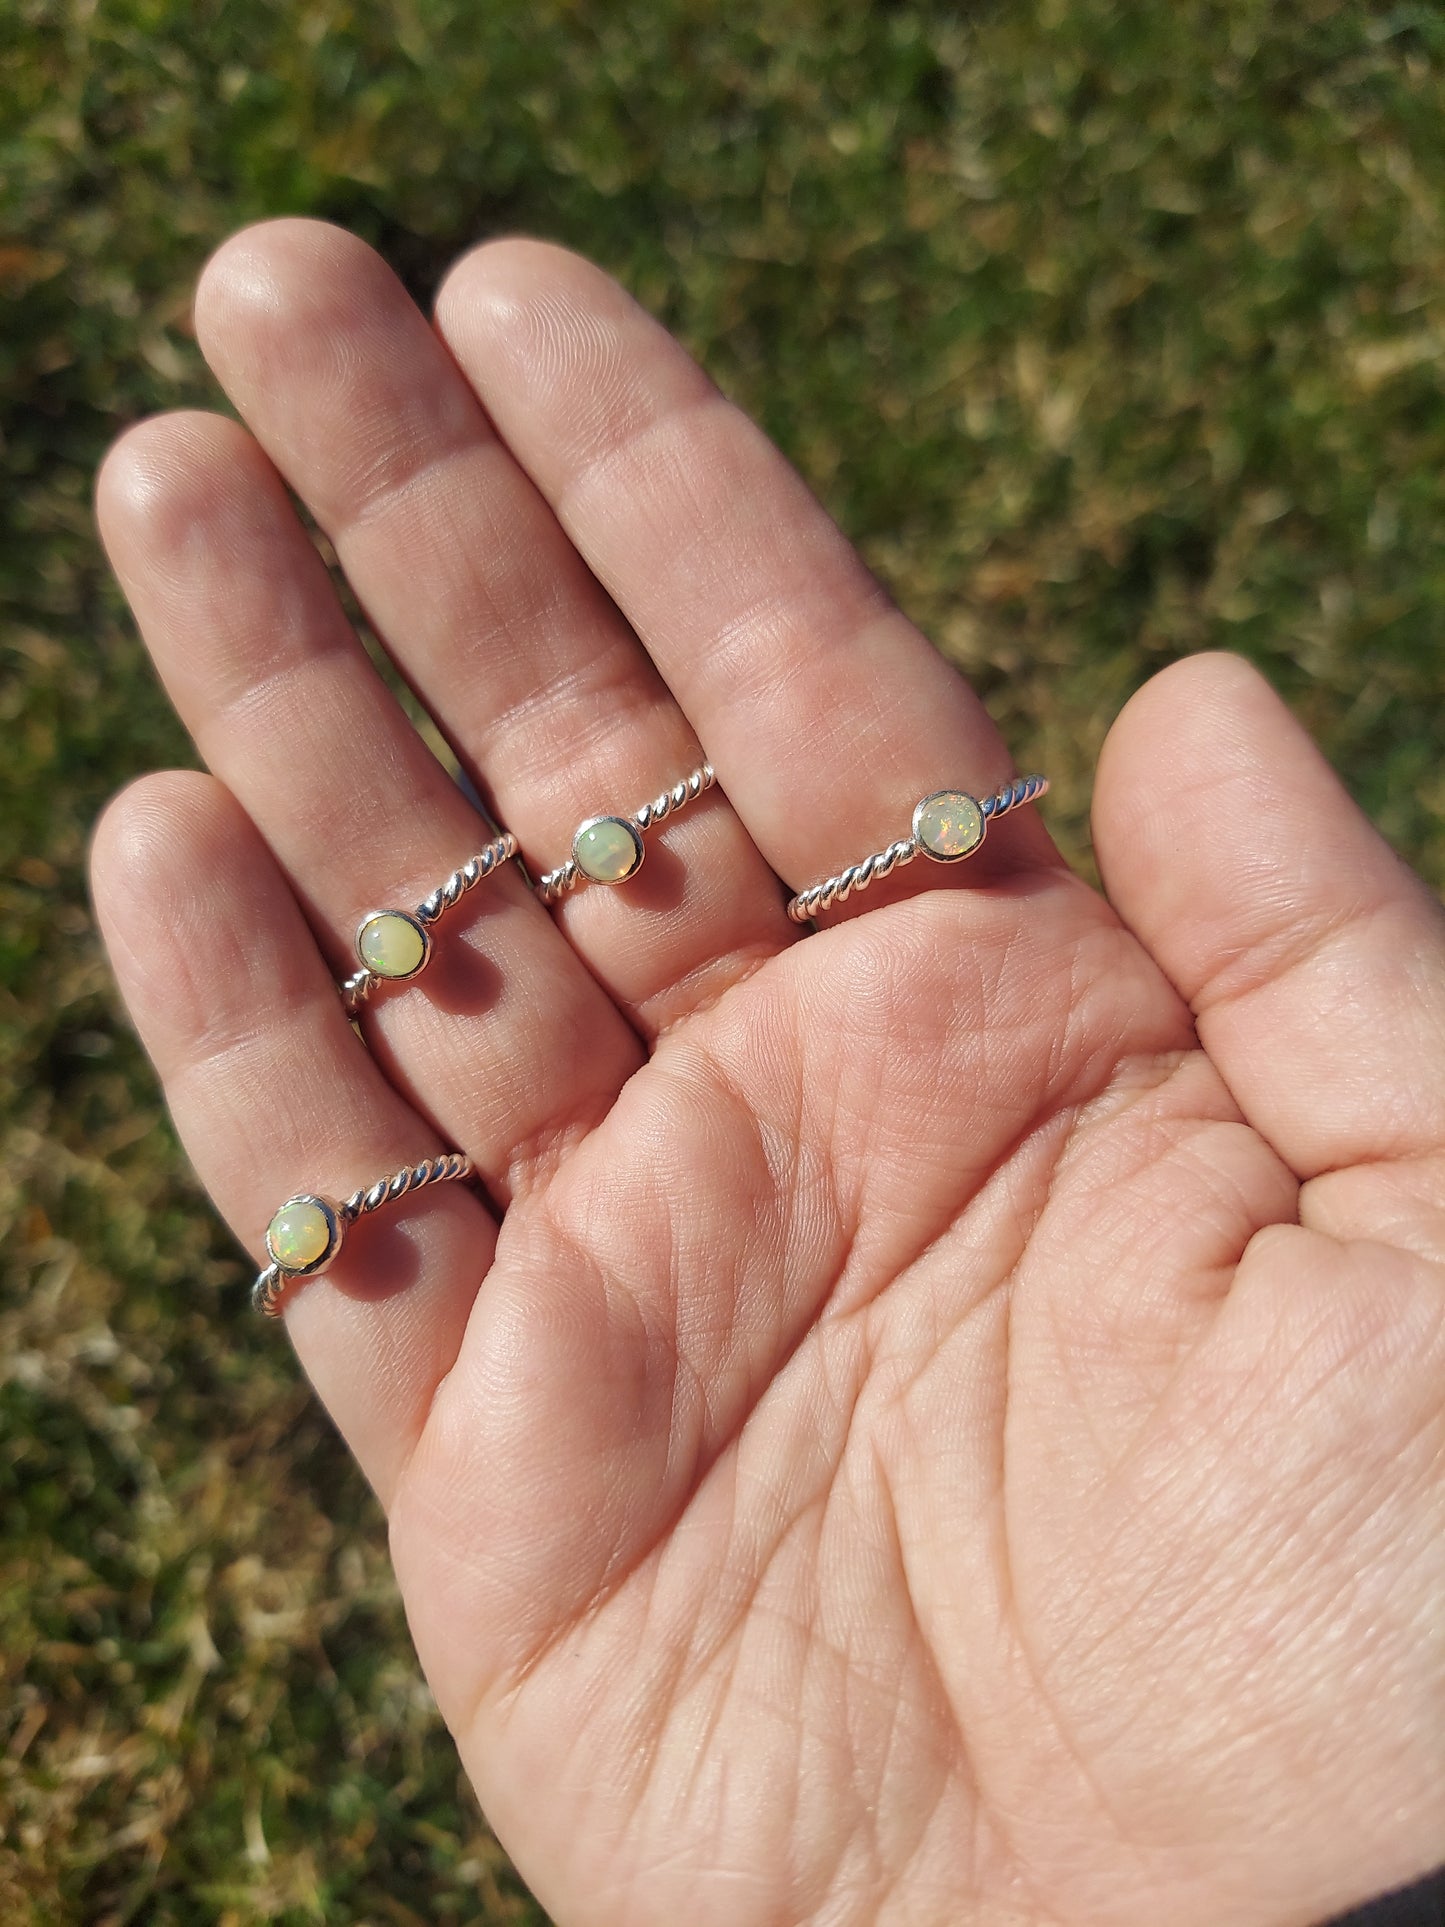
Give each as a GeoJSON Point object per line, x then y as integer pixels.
{"type": "Point", "coordinates": [937, 1420]}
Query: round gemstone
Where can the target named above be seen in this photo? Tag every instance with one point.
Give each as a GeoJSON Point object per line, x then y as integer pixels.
{"type": "Point", "coordinates": [302, 1234]}
{"type": "Point", "coordinates": [949, 825]}
{"type": "Point", "coordinates": [391, 944]}
{"type": "Point", "coordinates": [608, 849]}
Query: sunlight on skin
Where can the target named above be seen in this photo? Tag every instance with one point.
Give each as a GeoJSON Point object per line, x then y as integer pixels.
{"type": "Point", "coordinates": [950, 1427]}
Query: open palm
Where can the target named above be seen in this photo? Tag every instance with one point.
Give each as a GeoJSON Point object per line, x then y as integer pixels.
{"type": "Point", "coordinates": [941, 1419]}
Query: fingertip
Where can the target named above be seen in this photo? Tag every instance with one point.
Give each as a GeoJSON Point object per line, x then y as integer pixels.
{"type": "Point", "coordinates": [255, 277]}
{"type": "Point", "coordinates": [303, 323]}
{"type": "Point", "coordinates": [1204, 680]}
{"type": "Point", "coordinates": [144, 826]}
{"type": "Point", "coordinates": [507, 273]}
{"type": "Point", "coordinates": [1209, 709]}
{"type": "Point", "coordinates": [296, 307]}
{"type": "Point", "coordinates": [529, 321]}
{"type": "Point", "coordinates": [152, 839]}
{"type": "Point", "coordinates": [1206, 754]}
{"type": "Point", "coordinates": [156, 487]}
{"type": "Point", "coordinates": [1307, 950]}
{"type": "Point", "coordinates": [1209, 792]}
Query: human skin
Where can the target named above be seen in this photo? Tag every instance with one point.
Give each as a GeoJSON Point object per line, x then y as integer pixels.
{"type": "Point", "coordinates": [936, 1419]}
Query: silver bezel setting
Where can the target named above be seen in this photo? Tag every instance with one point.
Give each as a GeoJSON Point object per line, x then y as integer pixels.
{"type": "Point", "coordinates": [395, 977]}
{"type": "Point", "coordinates": [958, 856]}
{"type": "Point", "coordinates": [1012, 795]}
{"type": "Point", "coordinates": [639, 847]}
{"type": "Point", "coordinates": [335, 1229]}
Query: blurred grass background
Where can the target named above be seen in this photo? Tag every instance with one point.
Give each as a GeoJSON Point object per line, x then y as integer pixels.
{"type": "Point", "coordinates": [1110, 332]}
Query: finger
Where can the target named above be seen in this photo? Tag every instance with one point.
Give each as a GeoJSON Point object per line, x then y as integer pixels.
{"type": "Point", "coordinates": [504, 1043]}
{"type": "Point", "coordinates": [1313, 960]}
{"type": "Point", "coordinates": [273, 1093]}
{"type": "Point", "coordinates": [825, 712]}
{"type": "Point", "coordinates": [484, 603]}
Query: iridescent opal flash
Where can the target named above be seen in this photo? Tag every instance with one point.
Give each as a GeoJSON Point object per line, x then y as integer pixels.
{"type": "Point", "coordinates": [608, 849]}
{"type": "Point", "coordinates": [949, 825]}
{"type": "Point", "coordinates": [392, 944]}
{"type": "Point", "coordinates": [305, 1235]}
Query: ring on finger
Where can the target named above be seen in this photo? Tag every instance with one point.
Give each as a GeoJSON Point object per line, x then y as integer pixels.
{"type": "Point", "coordinates": [609, 849]}
{"type": "Point", "coordinates": [305, 1235]}
{"type": "Point", "coordinates": [948, 825]}
{"type": "Point", "coordinates": [394, 945]}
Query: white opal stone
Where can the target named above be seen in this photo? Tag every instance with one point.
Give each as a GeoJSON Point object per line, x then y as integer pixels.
{"type": "Point", "coordinates": [949, 825]}
{"type": "Point", "coordinates": [391, 944]}
{"type": "Point", "coordinates": [300, 1234]}
{"type": "Point", "coordinates": [607, 850]}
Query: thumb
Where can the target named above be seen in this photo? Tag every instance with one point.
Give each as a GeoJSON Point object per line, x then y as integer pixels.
{"type": "Point", "coordinates": [1312, 958]}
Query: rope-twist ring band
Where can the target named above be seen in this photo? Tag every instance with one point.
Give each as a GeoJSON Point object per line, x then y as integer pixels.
{"type": "Point", "coordinates": [948, 826]}
{"type": "Point", "coordinates": [395, 944]}
{"type": "Point", "coordinates": [609, 849]}
{"type": "Point", "coordinates": [305, 1235]}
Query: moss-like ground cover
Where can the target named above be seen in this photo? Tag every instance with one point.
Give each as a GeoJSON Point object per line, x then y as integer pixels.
{"type": "Point", "coordinates": [1110, 332]}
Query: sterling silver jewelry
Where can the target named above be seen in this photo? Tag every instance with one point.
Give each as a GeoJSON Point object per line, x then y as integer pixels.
{"type": "Point", "coordinates": [393, 945]}
{"type": "Point", "coordinates": [609, 849]}
{"type": "Point", "coordinates": [305, 1235]}
{"type": "Point", "coordinates": [948, 825]}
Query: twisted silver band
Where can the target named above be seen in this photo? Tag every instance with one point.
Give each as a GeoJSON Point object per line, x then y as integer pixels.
{"type": "Point", "coordinates": [626, 838]}
{"type": "Point", "coordinates": [356, 989]}
{"type": "Point", "coordinates": [333, 1221]}
{"type": "Point", "coordinates": [969, 820]}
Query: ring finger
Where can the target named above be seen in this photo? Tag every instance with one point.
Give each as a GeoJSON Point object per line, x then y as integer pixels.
{"type": "Point", "coordinates": [505, 1043]}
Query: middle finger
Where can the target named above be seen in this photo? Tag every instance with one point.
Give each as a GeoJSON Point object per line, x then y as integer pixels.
{"type": "Point", "coordinates": [485, 605]}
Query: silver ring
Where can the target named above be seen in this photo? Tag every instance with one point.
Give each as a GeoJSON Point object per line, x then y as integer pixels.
{"type": "Point", "coordinates": [948, 826]}
{"type": "Point", "coordinates": [394, 945]}
{"type": "Point", "coordinates": [609, 849]}
{"type": "Point", "coordinates": [305, 1235]}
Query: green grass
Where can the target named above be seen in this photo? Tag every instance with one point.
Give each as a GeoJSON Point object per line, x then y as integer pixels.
{"type": "Point", "coordinates": [1109, 332]}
